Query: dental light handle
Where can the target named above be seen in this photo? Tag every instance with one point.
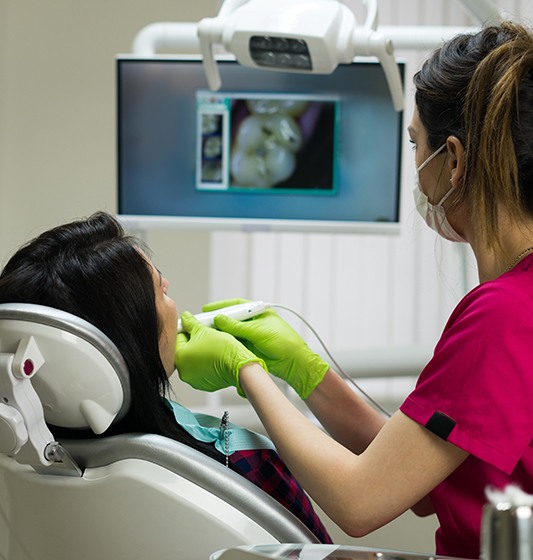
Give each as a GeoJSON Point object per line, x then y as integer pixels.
{"type": "Point", "coordinates": [372, 43]}
{"type": "Point", "coordinates": [239, 312]}
{"type": "Point", "coordinates": [210, 33]}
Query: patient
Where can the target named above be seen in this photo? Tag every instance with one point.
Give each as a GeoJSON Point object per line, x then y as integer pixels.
{"type": "Point", "coordinates": [92, 269]}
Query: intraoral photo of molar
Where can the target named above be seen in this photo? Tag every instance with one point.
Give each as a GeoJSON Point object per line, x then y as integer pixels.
{"type": "Point", "coordinates": [211, 147]}
{"type": "Point", "coordinates": [282, 143]}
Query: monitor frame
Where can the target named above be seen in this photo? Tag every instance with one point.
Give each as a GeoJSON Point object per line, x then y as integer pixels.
{"type": "Point", "coordinates": [156, 222]}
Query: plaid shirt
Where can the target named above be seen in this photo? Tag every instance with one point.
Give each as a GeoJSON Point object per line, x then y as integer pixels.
{"type": "Point", "coordinates": [265, 469]}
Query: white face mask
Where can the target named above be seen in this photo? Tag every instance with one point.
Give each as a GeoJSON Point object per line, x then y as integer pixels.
{"type": "Point", "coordinates": [434, 214]}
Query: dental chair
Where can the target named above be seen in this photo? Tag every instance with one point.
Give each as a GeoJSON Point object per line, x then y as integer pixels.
{"type": "Point", "coordinates": [131, 496]}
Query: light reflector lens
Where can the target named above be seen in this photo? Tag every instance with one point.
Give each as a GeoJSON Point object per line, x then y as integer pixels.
{"type": "Point", "coordinates": [280, 52]}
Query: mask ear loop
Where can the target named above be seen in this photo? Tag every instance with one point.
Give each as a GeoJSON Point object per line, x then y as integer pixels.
{"type": "Point", "coordinates": [434, 154]}
{"type": "Point", "coordinates": [424, 163]}
{"type": "Point", "coordinates": [447, 195]}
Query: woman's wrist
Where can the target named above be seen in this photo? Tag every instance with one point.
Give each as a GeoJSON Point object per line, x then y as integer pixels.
{"type": "Point", "coordinates": [321, 386]}
{"type": "Point", "coordinates": [311, 377]}
{"type": "Point", "coordinates": [249, 373]}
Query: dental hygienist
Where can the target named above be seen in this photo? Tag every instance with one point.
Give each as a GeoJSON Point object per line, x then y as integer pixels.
{"type": "Point", "coordinates": [468, 423]}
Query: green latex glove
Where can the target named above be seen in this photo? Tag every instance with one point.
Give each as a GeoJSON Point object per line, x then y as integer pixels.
{"type": "Point", "coordinates": [208, 359]}
{"type": "Point", "coordinates": [269, 337]}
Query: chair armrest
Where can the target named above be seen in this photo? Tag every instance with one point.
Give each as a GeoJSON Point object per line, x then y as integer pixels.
{"type": "Point", "coordinates": [199, 469]}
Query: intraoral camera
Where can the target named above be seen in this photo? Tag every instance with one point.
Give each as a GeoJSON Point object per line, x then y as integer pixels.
{"type": "Point", "coordinates": [306, 36]}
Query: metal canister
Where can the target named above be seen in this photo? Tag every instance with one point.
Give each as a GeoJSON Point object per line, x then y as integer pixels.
{"type": "Point", "coordinates": [507, 532]}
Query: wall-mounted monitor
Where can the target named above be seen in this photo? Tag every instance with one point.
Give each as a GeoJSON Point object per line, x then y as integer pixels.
{"type": "Point", "coordinates": [268, 151]}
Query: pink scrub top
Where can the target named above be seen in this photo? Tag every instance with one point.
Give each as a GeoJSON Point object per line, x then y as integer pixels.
{"type": "Point", "coordinates": [477, 393]}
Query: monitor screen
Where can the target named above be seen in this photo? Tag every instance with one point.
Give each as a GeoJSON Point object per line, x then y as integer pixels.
{"type": "Point", "coordinates": [269, 150]}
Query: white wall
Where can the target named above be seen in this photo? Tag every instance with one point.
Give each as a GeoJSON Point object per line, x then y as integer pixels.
{"type": "Point", "coordinates": [57, 162]}
{"type": "Point", "coordinates": [3, 109]}
{"type": "Point", "coordinates": [57, 120]}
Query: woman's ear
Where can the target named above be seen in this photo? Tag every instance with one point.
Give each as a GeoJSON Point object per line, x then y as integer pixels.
{"type": "Point", "coordinates": [456, 160]}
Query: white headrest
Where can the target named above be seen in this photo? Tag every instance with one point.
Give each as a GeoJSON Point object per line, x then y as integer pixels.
{"type": "Point", "coordinates": [84, 381]}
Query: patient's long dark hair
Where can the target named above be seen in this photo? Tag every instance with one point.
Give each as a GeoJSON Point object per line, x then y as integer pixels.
{"type": "Point", "coordinates": [92, 269]}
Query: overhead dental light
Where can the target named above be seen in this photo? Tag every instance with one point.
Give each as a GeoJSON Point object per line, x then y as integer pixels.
{"type": "Point", "coordinates": [308, 36]}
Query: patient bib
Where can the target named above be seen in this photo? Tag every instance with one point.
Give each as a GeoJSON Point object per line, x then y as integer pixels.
{"type": "Point", "coordinates": [226, 436]}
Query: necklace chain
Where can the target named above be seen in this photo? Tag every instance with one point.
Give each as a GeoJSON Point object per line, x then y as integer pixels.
{"type": "Point", "coordinates": [519, 257]}
{"type": "Point", "coordinates": [224, 428]}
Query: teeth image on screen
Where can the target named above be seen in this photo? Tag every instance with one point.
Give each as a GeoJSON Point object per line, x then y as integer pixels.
{"type": "Point", "coordinates": [265, 144]}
